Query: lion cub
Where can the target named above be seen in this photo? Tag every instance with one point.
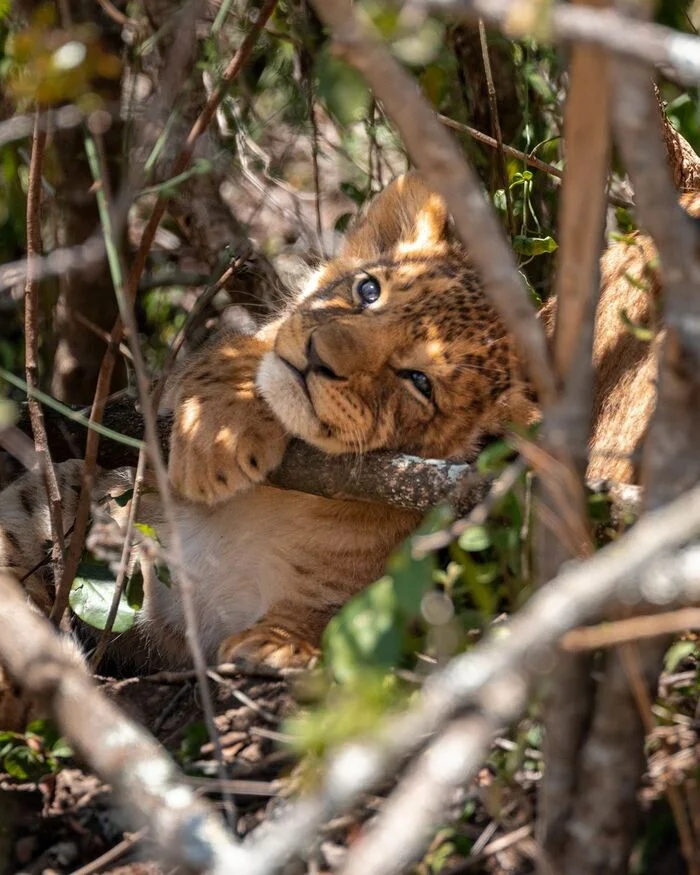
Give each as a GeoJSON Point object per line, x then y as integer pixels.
{"type": "Point", "coordinates": [392, 345]}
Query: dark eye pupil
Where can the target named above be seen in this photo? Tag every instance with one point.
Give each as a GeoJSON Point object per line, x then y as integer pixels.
{"type": "Point", "coordinates": [368, 290]}
{"type": "Point", "coordinates": [420, 381]}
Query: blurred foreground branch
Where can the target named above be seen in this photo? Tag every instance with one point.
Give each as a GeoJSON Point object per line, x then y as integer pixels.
{"type": "Point", "coordinates": [188, 832]}
{"type": "Point", "coordinates": [492, 678]}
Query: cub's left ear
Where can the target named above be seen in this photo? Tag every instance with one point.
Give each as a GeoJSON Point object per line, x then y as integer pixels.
{"type": "Point", "coordinates": [406, 217]}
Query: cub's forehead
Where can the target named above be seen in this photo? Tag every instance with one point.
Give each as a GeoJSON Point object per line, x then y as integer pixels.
{"type": "Point", "coordinates": [421, 277]}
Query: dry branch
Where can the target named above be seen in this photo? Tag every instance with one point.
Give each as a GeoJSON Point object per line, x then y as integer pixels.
{"type": "Point", "coordinates": [403, 481]}
{"type": "Point", "coordinates": [611, 759]}
{"type": "Point", "coordinates": [189, 833]}
{"type": "Point", "coordinates": [31, 351]}
{"type": "Point", "coordinates": [568, 694]}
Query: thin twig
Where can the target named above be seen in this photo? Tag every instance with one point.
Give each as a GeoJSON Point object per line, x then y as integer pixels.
{"type": "Point", "coordinates": [123, 847]}
{"type": "Point", "coordinates": [153, 449]}
{"type": "Point", "coordinates": [496, 125]}
{"type": "Point", "coordinates": [31, 334]}
{"type": "Point", "coordinates": [631, 629]}
{"type": "Point", "coordinates": [568, 698]}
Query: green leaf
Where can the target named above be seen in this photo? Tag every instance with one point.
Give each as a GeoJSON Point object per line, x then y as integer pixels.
{"type": "Point", "coordinates": [493, 458]}
{"type": "Point", "coordinates": [678, 652]}
{"type": "Point", "coordinates": [475, 539]}
{"type": "Point", "coordinates": [364, 633]}
{"type": "Point", "coordinates": [147, 531]}
{"type": "Point", "coordinates": [134, 589]}
{"type": "Point", "coordinates": [194, 737]}
{"type": "Point", "coordinates": [353, 192]}
{"type": "Point", "coordinates": [534, 245]}
{"type": "Point", "coordinates": [23, 764]}
{"type": "Point", "coordinates": [341, 88]}
{"type": "Point", "coordinates": [342, 222]}
{"type": "Point", "coordinates": [62, 750]}
{"type": "Point", "coordinates": [91, 598]}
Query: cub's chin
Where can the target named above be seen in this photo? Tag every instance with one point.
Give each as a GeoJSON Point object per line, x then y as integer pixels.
{"type": "Point", "coordinates": [285, 392]}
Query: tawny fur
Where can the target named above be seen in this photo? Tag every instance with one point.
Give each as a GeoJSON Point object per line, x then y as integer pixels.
{"type": "Point", "coordinates": [270, 567]}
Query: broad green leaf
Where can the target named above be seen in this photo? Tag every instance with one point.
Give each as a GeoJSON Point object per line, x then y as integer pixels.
{"type": "Point", "coordinates": [91, 598]}
{"type": "Point", "coordinates": [678, 652]}
{"type": "Point", "coordinates": [365, 633]}
{"type": "Point", "coordinates": [23, 764]}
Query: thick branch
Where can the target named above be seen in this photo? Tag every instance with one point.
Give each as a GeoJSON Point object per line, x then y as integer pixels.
{"type": "Point", "coordinates": [399, 480]}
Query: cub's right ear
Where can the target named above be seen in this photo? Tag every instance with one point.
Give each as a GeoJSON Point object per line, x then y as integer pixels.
{"type": "Point", "coordinates": [407, 216]}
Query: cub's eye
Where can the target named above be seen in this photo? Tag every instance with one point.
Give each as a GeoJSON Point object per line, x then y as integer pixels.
{"type": "Point", "coordinates": [368, 290]}
{"type": "Point", "coordinates": [420, 381]}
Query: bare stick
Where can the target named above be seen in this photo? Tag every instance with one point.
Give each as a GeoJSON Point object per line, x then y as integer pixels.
{"type": "Point", "coordinates": [156, 458]}
{"type": "Point", "coordinates": [440, 161]}
{"type": "Point", "coordinates": [611, 760]}
{"type": "Point", "coordinates": [496, 123]}
{"type": "Point", "coordinates": [187, 830]}
{"type": "Point", "coordinates": [632, 629]}
{"type": "Point", "coordinates": [677, 54]}
{"type": "Point", "coordinates": [568, 694]}
{"type": "Point", "coordinates": [31, 335]}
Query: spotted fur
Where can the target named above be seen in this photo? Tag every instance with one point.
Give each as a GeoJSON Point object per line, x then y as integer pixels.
{"type": "Point", "coordinates": [270, 566]}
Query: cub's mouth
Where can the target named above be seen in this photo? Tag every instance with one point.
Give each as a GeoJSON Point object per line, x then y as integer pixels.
{"type": "Point", "coordinates": [284, 388]}
{"type": "Point", "coordinates": [299, 376]}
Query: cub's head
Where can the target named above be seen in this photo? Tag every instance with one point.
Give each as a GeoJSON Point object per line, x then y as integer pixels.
{"type": "Point", "coordinates": [393, 345]}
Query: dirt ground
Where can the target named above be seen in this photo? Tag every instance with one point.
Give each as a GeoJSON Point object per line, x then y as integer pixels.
{"type": "Point", "coordinates": [71, 823]}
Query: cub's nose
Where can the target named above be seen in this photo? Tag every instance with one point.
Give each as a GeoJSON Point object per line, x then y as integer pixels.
{"type": "Point", "coordinates": [315, 363]}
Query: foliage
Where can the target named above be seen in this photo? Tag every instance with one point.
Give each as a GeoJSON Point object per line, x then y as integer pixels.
{"type": "Point", "coordinates": [31, 755]}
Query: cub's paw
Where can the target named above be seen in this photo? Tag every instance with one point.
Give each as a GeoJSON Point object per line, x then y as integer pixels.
{"type": "Point", "coordinates": [269, 645]}
{"type": "Point", "coordinates": [212, 456]}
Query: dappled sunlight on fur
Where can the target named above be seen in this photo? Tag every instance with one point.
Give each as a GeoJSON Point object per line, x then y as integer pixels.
{"type": "Point", "coordinates": [390, 345]}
